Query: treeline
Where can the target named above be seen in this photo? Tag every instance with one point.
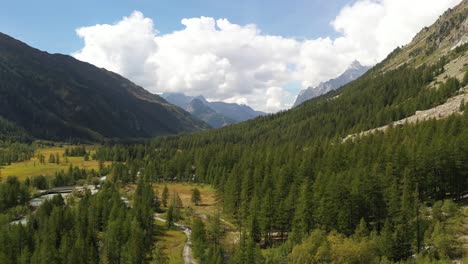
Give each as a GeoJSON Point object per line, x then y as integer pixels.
{"type": "Point", "coordinates": [380, 181]}
{"type": "Point", "coordinates": [14, 152]}
{"type": "Point", "coordinates": [13, 193]}
{"type": "Point", "coordinates": [206, 240]}
{"type": "Point", "coordinates": [280, 193]}
{"type": "Point", "coordinates": [71, 176]}
{"type": "Point", "coordinates": [9, 132]}
{"type": "Point", "coordinates": [436, 233]}
{"type": "Point", "coordinates": [77, 151]}
{"type": "Point", "coordinates": [76, 175]}
{"type": "Point", "coordinates": [11, 152]}
{"type": "Point", "coordinates": [97, 228]}
{"type": "Point", "coordinates": [287, 177]}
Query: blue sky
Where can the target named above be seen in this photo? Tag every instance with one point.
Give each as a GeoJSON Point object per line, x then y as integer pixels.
{"type": "Point", "coordinates": [50, 25]}
{"type": "Point", "coordinates": [295, 44]}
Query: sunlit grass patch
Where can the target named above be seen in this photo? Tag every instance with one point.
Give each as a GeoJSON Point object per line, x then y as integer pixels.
{"type": "Point", "coordinates": [208, 205]}
{"type": "Point", "coordinates": [173, 242]}
{"type": "Point", "coordinates": [34, 167]}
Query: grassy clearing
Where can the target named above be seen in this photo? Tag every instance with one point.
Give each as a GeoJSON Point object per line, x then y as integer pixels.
{"type": "Point", "coordinates": [208, 206]}
{"type": "Point", "coordinates": [209, 201]}
{"type": "Point", "coordinates": [33, 167]}
{"type": "Point", "coordinates": [173, 242]}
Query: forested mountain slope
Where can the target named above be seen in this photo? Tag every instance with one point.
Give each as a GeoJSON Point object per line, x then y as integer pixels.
{"type": "Point", "coordinates": [384, 94]}
{"type": "Point", "coordinates": [295, 191]}
{"type": "Point", "coordinates": [57, 97]}
{"type": "Point", "coordinates": [289, 179]}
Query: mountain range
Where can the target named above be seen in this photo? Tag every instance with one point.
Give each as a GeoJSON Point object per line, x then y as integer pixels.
{"type": "Point", "coordinates": [354, 71]}
{"type": "Point", "coordinates": [371, 172]}
{"type": "Point", "coordinates": [56, 97]}
{"type": "Point", "coordinates": [384, 94]}
{"type": "Point", "coordinates": [216, 114]}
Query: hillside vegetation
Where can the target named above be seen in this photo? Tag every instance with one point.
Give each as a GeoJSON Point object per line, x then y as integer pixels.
{"type": "Point", "coordinates": [288, 179]}
{"type": "Point", "coordinates": [295, 191]}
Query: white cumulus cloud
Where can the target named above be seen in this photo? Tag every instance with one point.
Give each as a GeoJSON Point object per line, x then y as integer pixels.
{"type": "Point", "coordinates": [375, 27]}
{"type": "Point", "coordinates": [237, 63]}
{"type": "Point", "coordinates": [125, 48]}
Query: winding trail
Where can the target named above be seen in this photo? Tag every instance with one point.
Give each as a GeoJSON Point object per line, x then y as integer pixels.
{"type": "Point", "coordinates": [187, 253]}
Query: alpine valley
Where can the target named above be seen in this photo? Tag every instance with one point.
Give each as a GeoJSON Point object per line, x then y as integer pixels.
{"type": "Point", "coordinates": [369, 167]}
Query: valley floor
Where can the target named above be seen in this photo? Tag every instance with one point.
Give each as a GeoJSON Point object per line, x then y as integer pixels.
{"type": "Point", "coordinates": [33, 167]}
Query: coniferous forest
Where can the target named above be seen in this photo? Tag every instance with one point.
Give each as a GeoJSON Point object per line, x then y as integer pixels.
{"type": "Point", "coordinates": [296, 190]}
{"type": "Point", "coordinates": [372, 193]}
{"type": "Point", "coordinates": [333, 180]}
{"type": "Point", "coordinates": [320, 193]}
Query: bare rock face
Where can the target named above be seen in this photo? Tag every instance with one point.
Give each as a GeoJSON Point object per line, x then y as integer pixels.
{"type": "Point", "coordinates": [354, 71]}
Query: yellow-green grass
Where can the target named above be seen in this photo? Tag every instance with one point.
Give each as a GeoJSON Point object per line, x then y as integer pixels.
{"type": "Point", "coordinates": [172, 241]}
{"type": "Point", "coordinates": [208, 205]}
{"type": "Point", "coordinates": [33, 167]}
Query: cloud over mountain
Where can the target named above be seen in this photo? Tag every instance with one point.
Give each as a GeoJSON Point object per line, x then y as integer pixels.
{"type": "Point", "coordinates": [237, 63]}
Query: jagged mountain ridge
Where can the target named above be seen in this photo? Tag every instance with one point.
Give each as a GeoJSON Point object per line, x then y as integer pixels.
{"type": "Point", "coordinates": [217, 114]}
{"type": "Point", "coordinates": [354, 71]}
{"type": "Point", "coordinates": [202, 111]}
{"type": "Point", "coordinates": [56, 97]}
{"type": "Point", "coordinates": [371, 101]}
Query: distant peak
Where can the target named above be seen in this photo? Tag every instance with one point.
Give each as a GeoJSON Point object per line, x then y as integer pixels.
{"type": "Point", "coordinates": [354, 71]}
{"type": "Point", "coordinates": [196, 102]}
{"type": "Point", "coordinates": [201, 98]}
{"type": "Point", "coordinates": [166, 94]}
{"type": "Point", "coordinates": [355, 65]}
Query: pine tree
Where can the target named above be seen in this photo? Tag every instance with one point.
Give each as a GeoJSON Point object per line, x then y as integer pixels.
{"type": "Point", "coordinates": [135, 244]}
{"type": "Point", "coordinates": [361, 230]}
{"type": "Point", "coordinates": [51, 158]}
{"type": "Point", "coordinates": [303, 218]}
{"type": "Point", "coordinates": [196, 196]}
{"type": "Point", "coordinates": [165, 196]}
{"type": "Point", "coordinates": [386, 241]}
{"type": "Point", "coordinates": [198, 238]}
{"type": "Point", "coordinates": [177, 206]}
{"type": "Point", "coordinates": [170, 216]}
{"type": "Point", "coordinates": [255, 231]}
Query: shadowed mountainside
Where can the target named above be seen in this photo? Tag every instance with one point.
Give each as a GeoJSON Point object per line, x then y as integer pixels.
{"type": "Point", "coordinates": [57, 97]}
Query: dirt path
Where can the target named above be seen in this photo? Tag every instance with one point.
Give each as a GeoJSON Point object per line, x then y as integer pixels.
{"type": "Point", "coordinates": [187, 252]}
